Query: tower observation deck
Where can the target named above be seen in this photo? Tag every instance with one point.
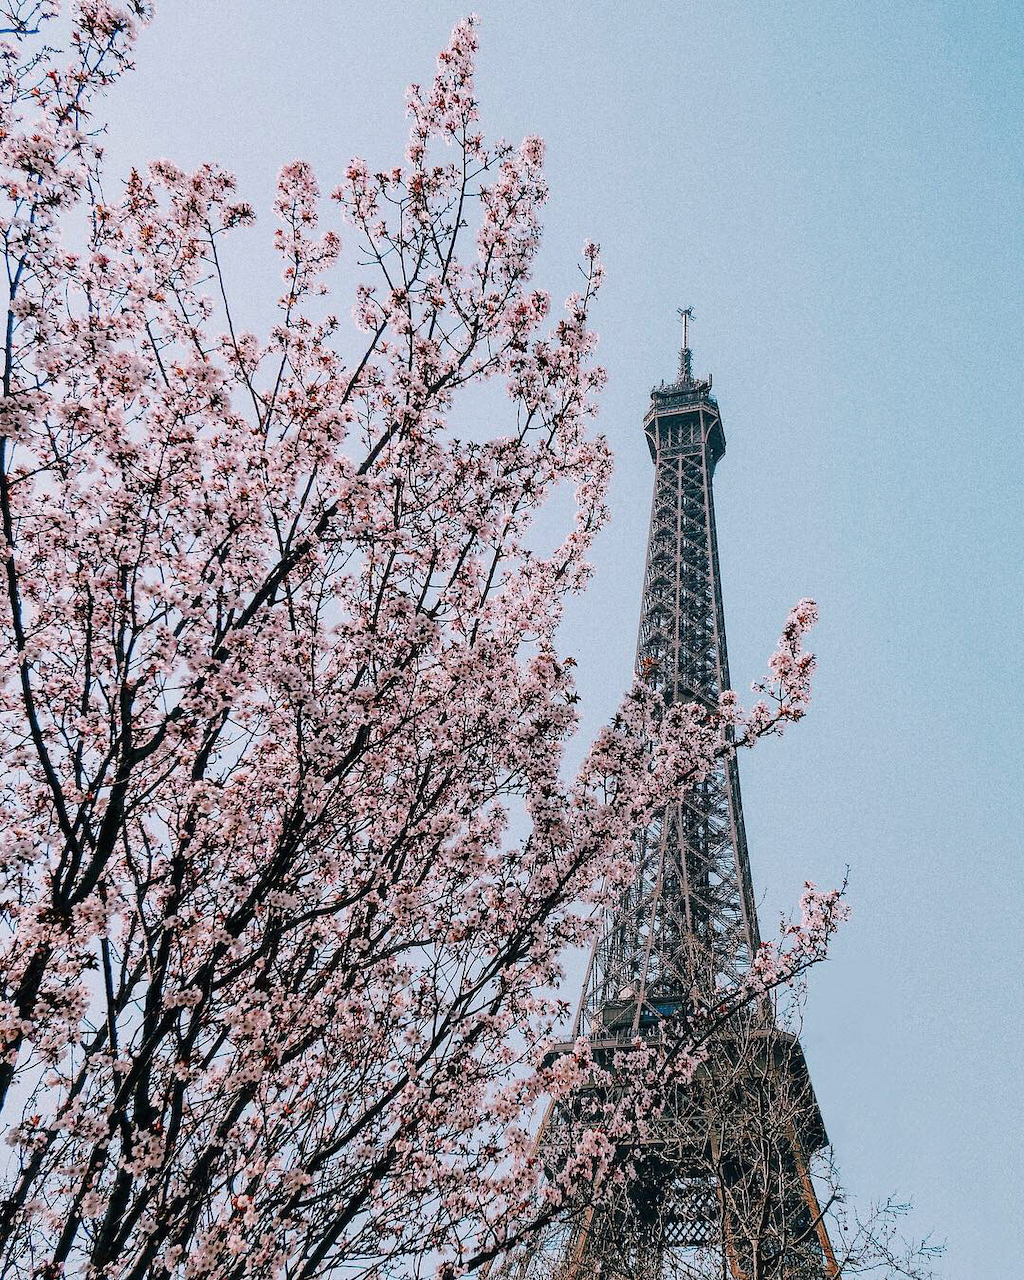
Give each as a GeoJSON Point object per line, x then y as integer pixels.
{"type": "Point", "coordinates": [722, 1186]}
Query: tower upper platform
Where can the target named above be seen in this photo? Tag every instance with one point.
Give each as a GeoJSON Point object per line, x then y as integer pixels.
{"type": "Point", "coordinates": [684, 415]}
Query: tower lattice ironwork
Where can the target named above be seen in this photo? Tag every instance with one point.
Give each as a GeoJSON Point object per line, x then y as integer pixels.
{"type": "Point", "coordinates": [721, 1186]}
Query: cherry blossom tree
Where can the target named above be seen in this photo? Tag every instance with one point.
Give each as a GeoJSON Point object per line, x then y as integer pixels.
{"type": "Point", "coordinates": [278, 664]}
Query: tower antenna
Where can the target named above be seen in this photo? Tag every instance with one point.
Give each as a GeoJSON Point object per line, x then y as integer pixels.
{"type": "Point", "coordinates": [685, 354]}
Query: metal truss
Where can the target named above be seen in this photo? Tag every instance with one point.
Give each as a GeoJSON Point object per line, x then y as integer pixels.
{"type": "Point", "coordinates": [688, 921]}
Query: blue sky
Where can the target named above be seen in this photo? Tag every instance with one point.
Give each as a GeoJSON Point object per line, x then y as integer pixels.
{"type": "Point", "coordinates": [836, 189]}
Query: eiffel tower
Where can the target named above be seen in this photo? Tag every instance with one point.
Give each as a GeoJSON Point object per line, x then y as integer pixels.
{"type": "Point", "coordinates": [720, 1186]}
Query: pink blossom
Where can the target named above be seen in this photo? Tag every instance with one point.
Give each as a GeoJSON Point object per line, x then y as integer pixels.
{"type": "Point", "coordinates": [291, 864]}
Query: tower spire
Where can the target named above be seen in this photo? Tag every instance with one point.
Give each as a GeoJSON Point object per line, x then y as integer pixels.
{"type": "Point", "coordinates": [685, 354]}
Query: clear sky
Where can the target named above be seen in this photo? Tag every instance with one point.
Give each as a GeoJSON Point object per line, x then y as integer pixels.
{"type": "Point", "coordinates": [836, 189]}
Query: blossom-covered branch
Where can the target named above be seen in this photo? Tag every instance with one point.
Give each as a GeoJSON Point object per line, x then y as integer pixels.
{"type": "Point", "coordinates": [278, 661]}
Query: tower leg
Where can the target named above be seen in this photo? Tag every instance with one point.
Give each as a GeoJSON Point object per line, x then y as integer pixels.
{"type": "Point", "coordinates": [811, 1200]}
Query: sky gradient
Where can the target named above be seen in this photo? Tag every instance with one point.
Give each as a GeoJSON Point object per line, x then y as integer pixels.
{"type": "Point", "coordinates": [836, 190]}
